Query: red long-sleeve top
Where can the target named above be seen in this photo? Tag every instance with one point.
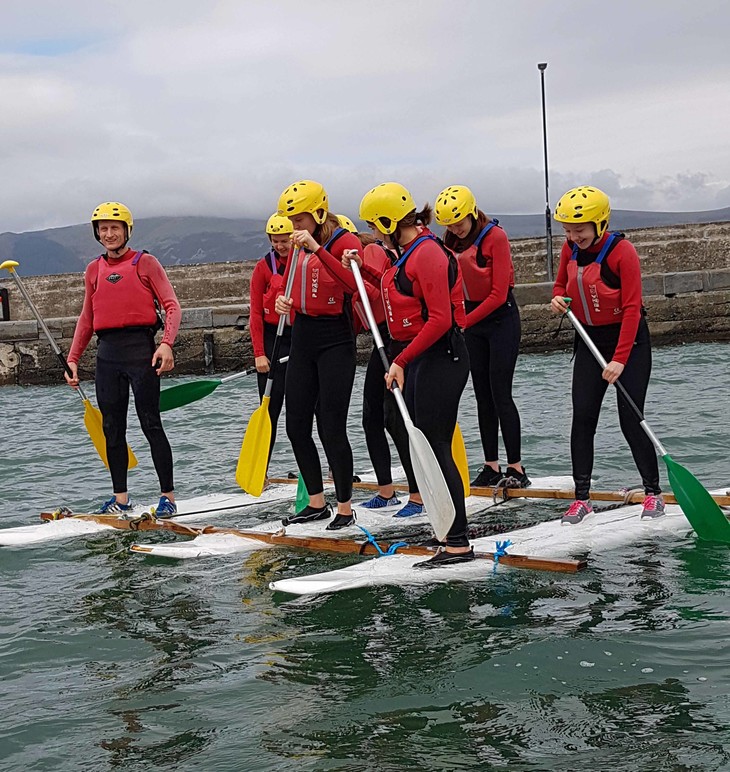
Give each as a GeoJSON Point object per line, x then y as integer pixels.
{"type": "Point", "coordinates": [152, 275]}
{"type": "Point", "coordinates": [259, 286]}
{"type": "Point", "coordinates": [623, 261]}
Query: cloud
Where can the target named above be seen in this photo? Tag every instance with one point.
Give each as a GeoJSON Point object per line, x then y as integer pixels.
{"type": "Point", "coordinates": [188, 108]}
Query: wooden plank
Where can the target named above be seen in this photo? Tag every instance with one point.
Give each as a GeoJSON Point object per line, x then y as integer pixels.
{"type": "Point", "coordinates": [529, 493]}
{"type": "Point", "coordinates": [322, 543]}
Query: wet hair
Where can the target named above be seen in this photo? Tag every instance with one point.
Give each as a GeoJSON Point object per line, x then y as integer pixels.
{"type": "Point", "coordinates": [413, 218]}
{"type": "Point", "coordinates": [454, 243]}
{"type": "Point", "coordinates": [366, 238]}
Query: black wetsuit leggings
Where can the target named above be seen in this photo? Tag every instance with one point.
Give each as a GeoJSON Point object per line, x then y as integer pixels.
{"type": "Point", "coordinates": [434, 383]}
{"type": "Point", "coordinates": [276, 398]}
{"type": "Point", "coordinates": [380, 413]}
{"type": "Point", "coordinates": [494, 344]}
{"type": "Point", "coordinates": [124, 359]}
{"type": "Point", "coordinates": [321, 369]}
{"type": "Point", "coordinates": [588, 390]}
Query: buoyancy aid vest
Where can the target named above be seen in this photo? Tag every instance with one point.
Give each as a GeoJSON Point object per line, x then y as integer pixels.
{"type": "Point", "coordinates": [315, 291]}
{"type": "Point", "coordinates": [373, 295]}
{"type": "Point", "coordinates": [120, 298]}
{"type": "Point", "coordinates": [405, 313]}
{"type": "Point", "coordinates": [477, 268]}
{"type": "Point", "coordinates": [274, 288]}
{"type": "Point", "coordinates": [599, 303]}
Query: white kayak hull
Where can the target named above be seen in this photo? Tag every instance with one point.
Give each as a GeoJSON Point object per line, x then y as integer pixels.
{"type": "Point", "coordinates": [597, 533]}
{"type": "Point", "coordinates": [380, 522]}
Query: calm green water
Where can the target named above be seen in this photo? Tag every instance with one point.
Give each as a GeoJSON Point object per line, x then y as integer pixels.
{"type": "Point", "coordinates": [109, 661]}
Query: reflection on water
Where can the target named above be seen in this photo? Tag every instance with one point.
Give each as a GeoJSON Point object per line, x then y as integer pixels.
{"type": "Point", "coordinates": [109, 661]}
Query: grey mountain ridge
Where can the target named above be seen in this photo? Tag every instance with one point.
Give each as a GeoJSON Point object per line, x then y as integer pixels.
{"type": "Point", "coordinates": [193, 240]}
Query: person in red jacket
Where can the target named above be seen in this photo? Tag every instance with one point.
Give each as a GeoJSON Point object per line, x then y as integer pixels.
{"type": "Point", "coordinates": [123, 289]}
{"type": "Point", "coordinates": [424, 307]}
{"type": "Point", "coordinates": [321, 370]}
{"type": "Point", "coordinates": [600, 272]}
{"type": "Point", "coordinates": [492, 328]}
{"type": "Point", "coordinates": [267, 283]}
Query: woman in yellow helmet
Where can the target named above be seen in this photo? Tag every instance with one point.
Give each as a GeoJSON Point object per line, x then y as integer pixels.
{"type": "Point", "coordinates": [267, 283]}
{"type": "Point", "coordinates": [321, 365]}
{"type": "Point", "coordinates": [122, 290]}
{"type": "Point", "coordinates": [600, 272]}
{"type": "Point", "coordinates": [492, 328]}
{"type": "Point", "coordinates": [424, 309]}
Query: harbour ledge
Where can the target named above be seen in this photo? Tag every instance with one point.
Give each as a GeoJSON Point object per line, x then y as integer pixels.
{"type": "Point", "coordinates": [686, 270]}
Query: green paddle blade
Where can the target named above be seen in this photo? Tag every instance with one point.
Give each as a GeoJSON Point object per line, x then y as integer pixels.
{"type": "Point", "coordinates": [702, 511]}
{"type": "Point", "coordinates": [254, 455]}
{"type": "Point", "coordinates": [185, 393]}
{"type": "Point", "coordinates": [302, 499]}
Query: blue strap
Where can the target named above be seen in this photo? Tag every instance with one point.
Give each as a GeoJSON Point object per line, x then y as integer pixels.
{"type": "Point", "coordinates": [410, 249]}
{"type": "Point", "coordinates": [488, 227]}
{"type": "Point", "coordinates": [370, 539]}
{"type": "Point", "coordinates": [500, 551]}
{"type": "Point", "coordinates": [272, 261]}
{"type": "Point", "coordinates": [604, 251]}
{"type": "Point", "coordinates": [336, 235]}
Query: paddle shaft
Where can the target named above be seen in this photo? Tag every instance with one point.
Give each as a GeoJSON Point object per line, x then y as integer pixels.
{"type": "Point", "coordinates": [622, 389]}
{"type": "Point", "coordinates": [292, 267]}
{"type": "Point", "coordinates": [56, 349]}
{"type": "Point", "coordinates": [378, 340]}
{"type": "Point", "coordinates": [250, 371]}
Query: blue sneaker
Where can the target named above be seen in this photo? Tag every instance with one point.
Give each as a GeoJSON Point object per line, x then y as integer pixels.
{"type": "Point", "coordinates": [165, 508]}
{"type": "Point", "coordinates": [114, 507]}
{"type": "Point", "coordinates": [380, 502]}
{"type": "Point", "coordinates": [411, 509]}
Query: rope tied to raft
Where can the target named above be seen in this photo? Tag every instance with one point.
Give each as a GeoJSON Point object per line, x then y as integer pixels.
{"type": "Point", "coordinates": [500, 550]}
{"type": "Point", "coordinates": [370, 539]}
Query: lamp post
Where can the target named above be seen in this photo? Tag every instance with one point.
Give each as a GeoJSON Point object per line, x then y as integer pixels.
{"type": "Point", "coordinates": [542, 66]}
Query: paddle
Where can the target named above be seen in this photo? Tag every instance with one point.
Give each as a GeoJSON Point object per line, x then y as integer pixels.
{"type": "Point", "coordinates": [431, 483]}
{"type": "Point", "coordinates": [458, 451]}
{"type": "Point", "coordinates": [254, 456]}
{"type": "Point", "coordinates": [92, 416]}
{"type": "Point", "coordinates": [185, 393]}
{"type": "Point", "coordinates": [703, 513]}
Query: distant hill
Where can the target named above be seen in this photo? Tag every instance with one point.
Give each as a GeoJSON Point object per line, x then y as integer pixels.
{"type": "Point", "coordinates": [191, 240]}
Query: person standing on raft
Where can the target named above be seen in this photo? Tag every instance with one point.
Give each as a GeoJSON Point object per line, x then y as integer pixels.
{"type": "Point", "coordinates": [492, 331]}
{"type": "Point", "coordinates": [601, 273]}
{"type": "Point", "coordinates": [122, 290]}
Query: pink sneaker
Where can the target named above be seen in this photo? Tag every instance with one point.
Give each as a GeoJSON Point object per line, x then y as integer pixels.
{"type": "Point", "coordinates": [576, 512]}
{"type": "Point", "coordinates": [653, 506]}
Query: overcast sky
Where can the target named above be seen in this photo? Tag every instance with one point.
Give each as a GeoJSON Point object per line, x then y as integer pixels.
{"type": "Point", "coordinates": [177, 107]}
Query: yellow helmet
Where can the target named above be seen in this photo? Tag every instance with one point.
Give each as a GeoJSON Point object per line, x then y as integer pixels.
{"type": "Point", "coordinates": [112, 210]}
{"type": "Point", "coordinates": [454, 204]}
{"type": "Point", "coordinates": [346, 223]}
{"type": "Point", "coordinates": [277, 224]}
{"type": "Point", "coordinates": [585, 204]}
{"type": "Point", "coordinates": [304, 196]}
{"type": "Point", "coordinates": [390, 202]}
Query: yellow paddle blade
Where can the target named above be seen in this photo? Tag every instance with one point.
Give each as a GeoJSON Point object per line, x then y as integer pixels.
{"type": "Point", "coordinates": [252, 461]}
{"type": "Point", "coordinates": [95, 428]}
{"type": "Point", "coordinates": [458, 451]}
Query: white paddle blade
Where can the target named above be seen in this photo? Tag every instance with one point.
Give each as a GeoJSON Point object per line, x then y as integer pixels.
{"type": "Point", "coordinates": [431, 483]}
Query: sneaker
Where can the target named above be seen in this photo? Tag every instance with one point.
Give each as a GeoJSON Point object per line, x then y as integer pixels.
{"type": "Point", "coordinates": [444, 558]}
{"type": "Point", "coordinates": [380, 502]}
{"type": "Point", "coordinates": [653, 506]}
{"type": "Point", "coordinates": [576, 512]}
{"type": "Point", "coordinates": [341, 521]}
{"type": "Point", "coordinates": [487, 478]}
{"type": "Point", "coordinates": [114, 507]}
{"type": "Point", "coordinates": [165, 508]}
{"type": "Point", "coordinates": [309, 515]}
{"type": "Point", "coordinates": [411, 509]}
{"type": "Point", "coordinates": [520, 478]}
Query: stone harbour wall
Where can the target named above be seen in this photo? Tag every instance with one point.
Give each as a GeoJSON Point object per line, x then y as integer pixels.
{"type": "Point", "coordinates": [686, 271]}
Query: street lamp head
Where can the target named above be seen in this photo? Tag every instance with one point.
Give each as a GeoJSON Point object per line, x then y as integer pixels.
{"type": "Point", "coordinates": [542, 66]}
